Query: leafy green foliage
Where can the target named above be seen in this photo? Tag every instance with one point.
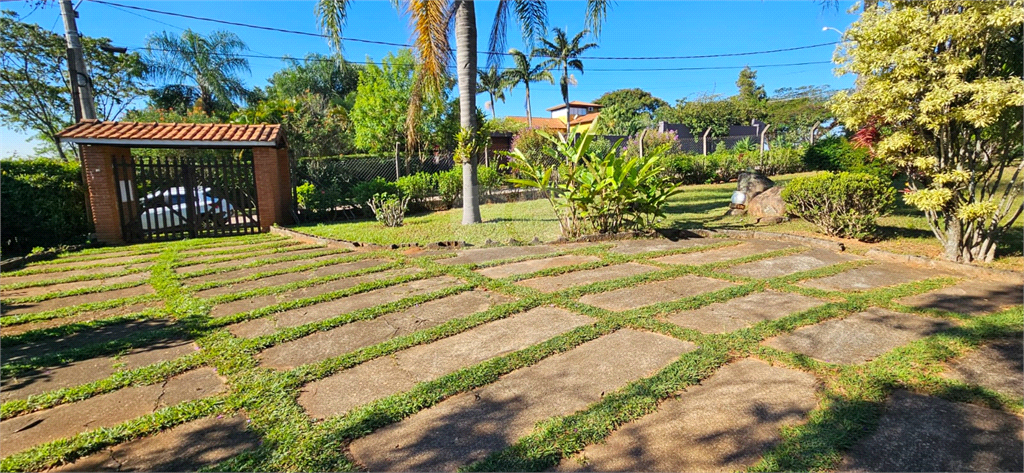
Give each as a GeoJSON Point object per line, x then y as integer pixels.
{"type": "Point", "coordinates": [943, 82]}
{"type": "Point", "coordinates": [489, 177]}
{"type": "Point", "coordinates": [627, 111]}
{"type": "Point", "coordinates": [836, 153]}
{"type": "Point", "coordinates": [43, 204]}
{"type": "Point", "coordinates": [449, 186]}
{"type": "Point", "coordinates": [382, 102]}
{"type": "Point", "coordinates": [417, 187]}
{"type": "Point", "coordinates": [34, 95]}
{"type": "Point", "coordinates": [312, 125]}
{"type": "Point", "coordinates": [389, 209]}
{"type": "Point", "coordinates": [330, 77]}
{"type": "Point", "coordinates": [364, 191]}
{"type": "Point", "coordinates": [653, 141]}
{"type": "Point", "coordinates": [844, 204]}
{"type": "Point", "coordinates": [590, 192]}
{"type": "Point", "coordinates": [530, 143]}
{"type": "Point", "coordinates": [209, 65]}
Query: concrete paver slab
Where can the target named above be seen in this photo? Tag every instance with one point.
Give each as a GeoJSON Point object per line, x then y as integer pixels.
{"type": "Point", "coordinates": [484, 255]}
{"type": "Point", "coordinates": [253, 303]}
{"type": "Point", "coordinates": [923, 433]}
{"type": "Point", "coordinates": [871, 277]}
{"type": "Point", "coordinates": [289, 278]}
{"type": "Point", "coordinates": [70, 286]}
{"type": "Point", "coordinates": [532, 266]}
{"type": "Point", "coordinates": [199, 264]}
{"type": "Point", "coordinates": [632, 247]}
{"type": "Point", "coordinates": [400, 372]}
{"type": "Point", "coordinates": [71, 265]}
{"type": "Point", "coordinates": [974, 297]}
{"type": "Point", "coordinates": [748, 248]}
{"type": "Point", "coordinates": [723, 424]}
{"type": "Point", "coordinates": [81, 339]}
{"type": "Point", "coordinates": [81, 316]}
{"type": "Point", "coordinates": [334, 308]}
{"type": "Point", "coordinates": [87, 371]}
{"type": "Point", "coordinates": [238, 273]}
{"type": "Point", "coordinates": [467, 427]}
{"type": "Point", "coordinates": [743, 312]}
{"type": "Point", "coordinates": [998, 365]}
{"type": "Point", "coordinates": [652, 293]}
{"type": "Point", "coordinates": [5, 279]}
{"type": "Point", "coordinates": [106, 410]}
{"type": "Point", "coordinates": [579, 278]}
{"type": "Point", "coordinates": [61, 302]}
{"type": "Point", "coordinates": [338, 341]}
{"type": "Point", "coordinates": [186, 447]}
{"type": "Point", "coordinates": [784, 265]}
{"type": "Point", "coordinates": [859, 337]}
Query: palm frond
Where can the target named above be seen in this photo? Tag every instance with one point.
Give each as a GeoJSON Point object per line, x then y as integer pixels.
{"type": "Point", "coordinates": [533, 19]}
{"type": "Point", "coordinates": [597, 13]}
{"type": "Point", "coordinates": [497, 40]}
{"type": "Point", "coordinates": [429, 20]}
{"type": "Point", "coordinates": [331, 14]}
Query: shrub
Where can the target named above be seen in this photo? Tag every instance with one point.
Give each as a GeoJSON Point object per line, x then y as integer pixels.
{"type": "Point", "coordinates": [836, 153]}
{"type": "Point", "coordinates": [532, 143]}
{"type": "Point", "coordinates": [43, 204]}
{"type": "Point", "coordinates": [843, 204]}
{"type": "Point", "coordinates": [654, 142]}
{"type": "Point", "coordinates": [389, 208]}
{"type": "Point", "coordinates": [449, 185]}
{"type": "Point", "coordinates": [364, 191]}
{"type": "Point", "coordinates": [320, 202]}
{"type": "Point", "coordinates": [417, 187]}
{"type": "Point", "coordinates": [489, 178]}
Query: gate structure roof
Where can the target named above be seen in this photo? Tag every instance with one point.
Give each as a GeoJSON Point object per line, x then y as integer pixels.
{"type": "Point", "coordinates": [173, 135]}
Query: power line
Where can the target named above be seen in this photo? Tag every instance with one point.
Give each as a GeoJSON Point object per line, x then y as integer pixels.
{"type": "Point", "coordinates": [405, 45]}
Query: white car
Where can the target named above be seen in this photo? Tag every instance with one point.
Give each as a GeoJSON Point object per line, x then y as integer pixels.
{"type": "Point", "coordinates": [168, 208]}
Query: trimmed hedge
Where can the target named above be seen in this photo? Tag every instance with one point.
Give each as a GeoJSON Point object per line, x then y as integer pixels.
{"type": "Point", "coordinates": [844, 204]}
{"type": "Point", "coordinates": [42, 204]}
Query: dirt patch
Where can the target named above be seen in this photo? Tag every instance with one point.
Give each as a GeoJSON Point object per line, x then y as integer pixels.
{"type": "Point", "coordinates": [335, 342]}
{"type": "Point", "coordinates": [579, 278]}
{"type": "Point", "coordinates": [743, 312]}
{"type": "Point", "coordinates": [923, 433]}
{"type": "Point", "coordinates": [106, 410]}
{"type": "Point", "coordinates": [972, 297]}
{"type": "Point", "coordinates": [344, 305]}
{"type": "Point", "coordinates": [186, 447]}
{"type": "Point", "coordinates": [402, 371]}
{"type": "Point", "coordinates": [662, 291]}
{"type": "Point", "coordinates": [532, 266]}
{"type": "Point", "coordinates": [289, 278]}
{"type": "Point", "coordinates": [725, 423]}
{"type": "Point", "coordinates": [253, 303]}
{"type": "Point", "coordinates": [467, 427]}
{"type": "Point", "coordinates": [859, 337]}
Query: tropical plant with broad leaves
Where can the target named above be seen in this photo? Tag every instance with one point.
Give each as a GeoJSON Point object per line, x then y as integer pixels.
{"type": "Point", "coordinates": [432, 21]}
{"type": "Point", "coordinates": [208, 64]}
{"type": "Point", "coordinates": [522, 72]}
{"type": "Point", "coordinates": [564, 53]}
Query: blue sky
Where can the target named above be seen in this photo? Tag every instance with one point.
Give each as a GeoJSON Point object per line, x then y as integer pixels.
{"type": "Point", "coordinates": [634, 29]}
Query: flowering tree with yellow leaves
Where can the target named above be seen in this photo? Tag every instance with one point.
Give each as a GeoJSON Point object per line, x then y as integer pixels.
{"type": "Point", "coordinates": [943, 81]}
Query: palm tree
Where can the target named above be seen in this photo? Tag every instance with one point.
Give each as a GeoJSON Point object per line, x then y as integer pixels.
{"type": "Point", "coordinates": [431, 25]}
{"type": "Point", "coordinates": [492, 82]}
{"type": "Point", "coordinates": [564, 53]}
{"type": "Point", "coordinates": [524, 73]}
{"type": "Point", "coordinates": [207, 64]}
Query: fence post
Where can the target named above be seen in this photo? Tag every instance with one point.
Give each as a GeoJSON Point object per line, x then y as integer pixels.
{"type": "Point", "coordinates": [396, 162]}
{"type": "Point", "coordinates": [763, 132]}
{"type": "Point", "coordinates": [706, 141]}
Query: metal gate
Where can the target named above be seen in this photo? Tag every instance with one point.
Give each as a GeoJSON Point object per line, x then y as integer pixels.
{"type": "Point", "coordinates": [187, 196]}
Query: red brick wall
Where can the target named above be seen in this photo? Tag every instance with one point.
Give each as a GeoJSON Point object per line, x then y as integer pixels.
{"type": "Point", "coordinates": [273, 186]}
{"type": "Point", "coordinates": [99, 172]}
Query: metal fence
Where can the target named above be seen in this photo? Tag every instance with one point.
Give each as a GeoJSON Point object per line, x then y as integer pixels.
{"type": "Point", "coordinates": [368, 169]}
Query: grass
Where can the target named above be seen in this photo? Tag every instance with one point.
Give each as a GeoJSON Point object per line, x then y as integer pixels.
{"type": "Point", "coordinates": [850, 397]}
{"type": "Point", "coordinates": [700, 206]}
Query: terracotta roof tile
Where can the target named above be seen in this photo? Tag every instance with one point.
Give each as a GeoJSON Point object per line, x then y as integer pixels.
{"type": "Point", "coordinates": [94, 131]}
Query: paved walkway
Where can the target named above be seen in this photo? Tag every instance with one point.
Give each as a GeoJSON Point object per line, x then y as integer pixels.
{"type": "Point", "coordinates": [107, 368]}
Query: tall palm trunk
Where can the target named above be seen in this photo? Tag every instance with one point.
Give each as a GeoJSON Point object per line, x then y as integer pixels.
{"type": "Point", "coordinates": [529, 115]}
{"type": "Point", "coordinates": [565, 97]}
{"type": "Point", "coordinates": [465, 45]}
{"type": "Point", "coordinates": [494, 113]}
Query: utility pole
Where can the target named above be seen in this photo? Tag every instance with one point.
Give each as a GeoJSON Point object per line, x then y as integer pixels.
{"type": "Point", "coordinates": [81, 85]}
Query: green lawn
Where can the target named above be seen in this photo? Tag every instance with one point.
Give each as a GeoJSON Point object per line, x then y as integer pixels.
{"type": "Point", "coordinates": [699, 206]}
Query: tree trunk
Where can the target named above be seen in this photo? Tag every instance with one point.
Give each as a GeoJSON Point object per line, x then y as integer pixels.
{"type": "Point", "coordinates": [529, 116]}
{"type": "Point", "coordinates": [565, 96]}
{"type": "Point", "coordinates": [465, 57]}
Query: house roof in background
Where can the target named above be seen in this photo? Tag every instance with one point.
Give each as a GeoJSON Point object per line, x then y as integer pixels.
{"type": "Point", "coordinates": [207, 135]}
{"type": "Point", "coordinates": [575, 103]}
{"type": "Point", "coordinates": [543, 122]}
{"type": "Point", "coordinates": [590, 117]}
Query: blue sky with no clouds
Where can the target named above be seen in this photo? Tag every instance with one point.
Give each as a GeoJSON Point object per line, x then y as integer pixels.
{"type": "Point", "coordinates": [634, 29]}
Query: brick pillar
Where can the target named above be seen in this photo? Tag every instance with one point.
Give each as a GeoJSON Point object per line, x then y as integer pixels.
{"type": "Point", "coordinates": [99, 173]}
{"type": "Point", "coordinates": [273, 186]}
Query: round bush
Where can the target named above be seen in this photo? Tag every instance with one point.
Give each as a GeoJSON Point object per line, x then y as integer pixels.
{"type": "Point", "coordinates": [844, 204]}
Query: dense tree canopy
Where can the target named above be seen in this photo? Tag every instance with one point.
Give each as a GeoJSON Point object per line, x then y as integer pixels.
{"type": "Point", "coordinates": [626, 111]}
{"type": "Point", "coordinates": [332, 78]}
{"type": "Point", "coordinates": [940, 83]}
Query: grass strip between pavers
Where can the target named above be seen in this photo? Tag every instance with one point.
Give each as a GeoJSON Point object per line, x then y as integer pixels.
{"type": "Point", "coordinates": [342, 258]}
{"type": "Point", "coordinates": [281, 288]}
{"type": "Point", "coordinates": [11, 320]}
{"type": "Point", "coordinates": [75, 292]}
{"type": "Point", "coordinates": [69, 279]}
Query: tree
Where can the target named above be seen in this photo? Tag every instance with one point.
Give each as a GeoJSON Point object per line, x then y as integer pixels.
{"type": "Point", "coordinates": [34, 90]}
{"type": "Point", "coordinates": [207, 64]}
{"type": "Point", "coordinates": [564, 53]}
{"type": "Point", "coordinates": [432, 25]}
{"type": "Point", "coordinates": [332, 78]}
{"type": "Point", "coordinates": [701, 113]}
{"type": "Point", "coordinates": [942, 83]}
{"type": "Point", "coordinates": [523, 73]}
{"type": "Point", "coordinates": [382, 100]}
{"type": "Point", "coordinates": [793, 113]}
{"type": "Point", "coordinates": [491, 82]}
{"type": "Point", "coordinates": [626, 111]}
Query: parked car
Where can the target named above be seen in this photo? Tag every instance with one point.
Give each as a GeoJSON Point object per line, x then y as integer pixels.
{"type": "Point", "coordinates": [169, 208]}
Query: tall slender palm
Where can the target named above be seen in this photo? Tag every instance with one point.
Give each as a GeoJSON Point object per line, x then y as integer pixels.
{"type": "Point", "coordinates": [564, 53]}
{"type": "Point", "coordinates": [524, 73]}
{"type": "Point", "coordinates": [207, 64]}
{"type": "Point", "coordinates": [492, 82]}
{"type": "Point", "coordinates": [431, 20]}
